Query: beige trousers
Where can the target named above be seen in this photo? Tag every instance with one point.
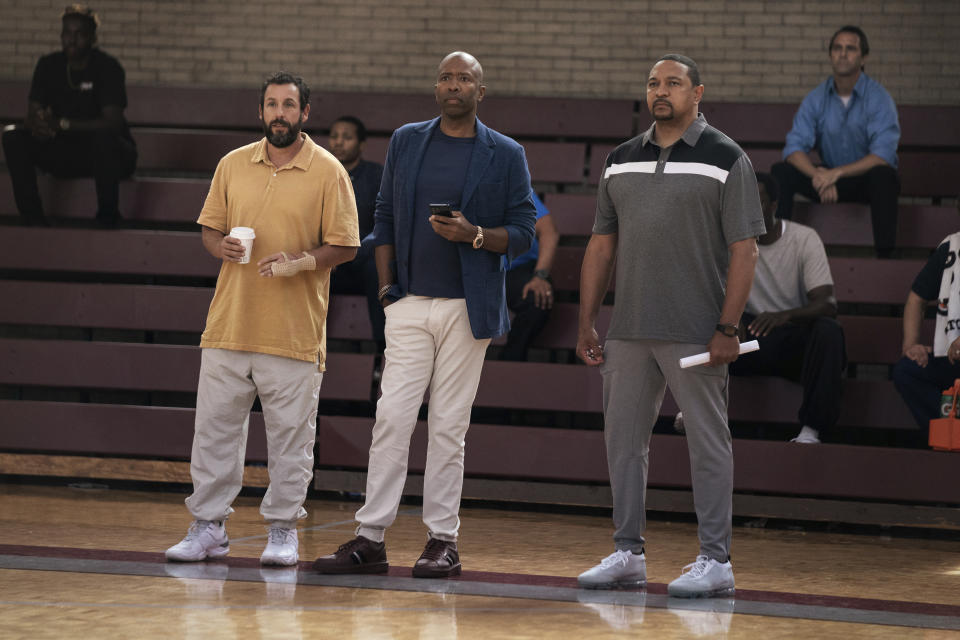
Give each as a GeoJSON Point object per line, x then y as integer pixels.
{"type": "Point", "coordinates": [289, 391]}
{"type": "Point", "coordinates": [429, 345]}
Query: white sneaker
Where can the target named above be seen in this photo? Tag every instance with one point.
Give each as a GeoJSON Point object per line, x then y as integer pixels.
{"type": "Point", "coordinates": [710, 621]}
{"type": "Point", "coordinates": [620, 611]}
{"type": "Point", "coordinates": [678, 425]}
{"type": "Point", "coordinates": [619, 569]}
{"type": "Point", "coordinates": [282, 547]}
{"type": "Point", "coordinates": [807, 435]}
{"type": "Point", "coordinates": [704, 578]}
{"type": "Point", "coordinates": [280, 583]}
{"type": "Point", "coordinates": [204, 539]}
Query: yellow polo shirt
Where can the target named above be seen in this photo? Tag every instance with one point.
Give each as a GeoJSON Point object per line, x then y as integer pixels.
{"type": "Point", "coordinates": [300, 206]}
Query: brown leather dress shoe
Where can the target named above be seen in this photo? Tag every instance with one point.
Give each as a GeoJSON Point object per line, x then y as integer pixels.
{"type": "Point", "coordinates": [438, 560]}
{"type": "Point", "coordinates": [360, 555]}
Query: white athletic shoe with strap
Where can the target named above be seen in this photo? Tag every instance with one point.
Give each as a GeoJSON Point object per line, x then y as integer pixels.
{"type": "Point", "coordinates": [619, 569]}
{"type": "Point", "coordinates": [703, 578]}
{"type": "Point", "coordinates": [282, 547]}
{"type": "Point", "coordinates": [204, 539]}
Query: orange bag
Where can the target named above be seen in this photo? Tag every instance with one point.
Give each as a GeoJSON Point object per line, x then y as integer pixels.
{"type": "Point", "coordinates": [945, 432]}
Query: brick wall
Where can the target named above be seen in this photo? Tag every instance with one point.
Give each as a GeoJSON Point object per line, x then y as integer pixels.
{"type": "Point", "coordinates": [748, 50]}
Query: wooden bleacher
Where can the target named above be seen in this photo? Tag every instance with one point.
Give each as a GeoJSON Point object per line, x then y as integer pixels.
{"type": "Point", "coordinates": [91, 362]}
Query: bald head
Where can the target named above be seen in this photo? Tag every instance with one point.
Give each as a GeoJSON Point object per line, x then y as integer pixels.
{"type": "Point", "coordinates": [468, 59]}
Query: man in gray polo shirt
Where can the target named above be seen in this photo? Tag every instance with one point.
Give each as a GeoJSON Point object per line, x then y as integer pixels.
{"type": "Point", "coordinates": [679, 203]}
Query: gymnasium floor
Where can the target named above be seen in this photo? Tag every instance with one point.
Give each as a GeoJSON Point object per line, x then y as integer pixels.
{"type": "Point", "coordinates": [88, 562]}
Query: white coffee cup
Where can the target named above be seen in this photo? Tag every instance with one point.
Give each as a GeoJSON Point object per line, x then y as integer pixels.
{"type": "Point", "coordinates": [245, 235]}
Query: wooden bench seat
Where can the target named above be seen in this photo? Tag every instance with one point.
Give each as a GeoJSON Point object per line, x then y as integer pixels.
{"type": "Point", "coordinates": [575, 387]}
{"type": "Point", "coordinates": [929, 149]}
{"type": "Point", "coordinates": [495, 451]}
{"type": "Point", "coordinates": [200, 151]}
{"type": "Point", "coordinates": [858, 280]}
{"type": "Point", "coordinates": [384, 112]}
{"type": "Point", "coordinates": [869, 339]}
{"type": "Point", "coordinates": [845, 224]}
{"type": "Point", "coordinates": [147, 367]}
{"type": "Point", "coordinates": [189, 150]}
{"type": "Point", "coordinates": [867, 280]}
{"type": "Point", "coordinates": [918, 226]}
{"type": "Point", "coordinates": [150, 253]}
{"type": "Point", "coordinates": [144, 307]}
{"type": "Point", "coordinates": [144, 199]}
{"type": "Point", "coordinates": [226, 107]}
{"type": "Point", "coordinates": [108, 429]}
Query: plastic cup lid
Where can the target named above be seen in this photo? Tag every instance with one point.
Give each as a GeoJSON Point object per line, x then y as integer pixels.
{"type": "Point", "coordinates": [242, 232]}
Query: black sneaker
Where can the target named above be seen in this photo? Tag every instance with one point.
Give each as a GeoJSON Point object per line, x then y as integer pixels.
{"type": "Point", "coordinates": [439, 559]}
{"type": "Point", "coordinates": [360, 555]}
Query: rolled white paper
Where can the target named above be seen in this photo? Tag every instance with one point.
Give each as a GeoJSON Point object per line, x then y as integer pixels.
{"type": "Point", "coordinates": [704, 358]}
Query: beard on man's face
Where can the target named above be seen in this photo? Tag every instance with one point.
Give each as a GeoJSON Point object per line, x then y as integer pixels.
{"type": "Point", "coordinates": [283, 138]}
{"type": "Point", "coordinates": [662, 115]}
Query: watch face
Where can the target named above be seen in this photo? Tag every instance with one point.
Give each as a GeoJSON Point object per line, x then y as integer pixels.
{"type": "Point", "coordinates": [727, 330]}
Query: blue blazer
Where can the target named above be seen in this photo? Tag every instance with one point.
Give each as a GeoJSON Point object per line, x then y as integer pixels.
{"type": "Point", "coordinates": [496, 193]}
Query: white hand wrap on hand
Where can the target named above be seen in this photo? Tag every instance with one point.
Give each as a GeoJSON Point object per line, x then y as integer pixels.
{"type": "Point", "coordinates": [293, 267]}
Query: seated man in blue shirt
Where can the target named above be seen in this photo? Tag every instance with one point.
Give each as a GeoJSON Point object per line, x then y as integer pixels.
{"type": "Point", "coordinates": [529, 287]}
{"type": "Point", "coordinates": [851, 121]}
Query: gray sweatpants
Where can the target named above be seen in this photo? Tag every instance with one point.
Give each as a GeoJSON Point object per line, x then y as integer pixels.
{"type": "Point", "coordinates": [289, 390]}
{"type": "Point", "coordinates": [635, 376]}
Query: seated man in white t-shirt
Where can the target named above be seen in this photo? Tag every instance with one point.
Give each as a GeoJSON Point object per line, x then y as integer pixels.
{"type": "Point", "coordinates": [791, 312]}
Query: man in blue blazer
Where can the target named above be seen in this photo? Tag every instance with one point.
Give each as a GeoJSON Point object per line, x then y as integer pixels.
{"type": "Point", "coordinates": [455, 197]}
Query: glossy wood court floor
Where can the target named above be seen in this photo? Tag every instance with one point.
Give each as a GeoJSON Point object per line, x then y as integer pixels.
{"type": "Point", "coordinates": [88, 563]}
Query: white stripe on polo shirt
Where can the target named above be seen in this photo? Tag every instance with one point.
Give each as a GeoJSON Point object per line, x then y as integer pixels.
{"type": "Point", "coordinates": [688, 168]}
{"type": "Point", "coordinates": [697, 168]}
{"type": "Point", "coordinates": [630, 167]}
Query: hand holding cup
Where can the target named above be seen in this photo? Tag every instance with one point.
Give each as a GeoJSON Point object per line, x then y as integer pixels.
{"type": "Point", "coordinates": [238, 246]}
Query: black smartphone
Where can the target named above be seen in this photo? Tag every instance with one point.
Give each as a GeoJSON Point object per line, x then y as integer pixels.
{"type": "Point", "coordinates": [441, 209]}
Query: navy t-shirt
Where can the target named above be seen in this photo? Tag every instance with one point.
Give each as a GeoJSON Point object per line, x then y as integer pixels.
{"type": "Point", "coordinates": [434, 260]}
{"type": "Point", "coordinates": [366, 178]}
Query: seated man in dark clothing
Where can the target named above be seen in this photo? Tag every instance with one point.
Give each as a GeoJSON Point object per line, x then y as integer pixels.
{"type": "Point", "coordinates": [348, 136]}
{"type": "Point", "coordinates": [74, 125]}
{"type": "Point", "coordinates": [924, 371]}
{"type": "Point", "coordinates": [790, 312]}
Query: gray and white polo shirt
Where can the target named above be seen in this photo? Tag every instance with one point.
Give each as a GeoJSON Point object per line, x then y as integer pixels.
{"type": "Point", "coordinates": [676, 211]}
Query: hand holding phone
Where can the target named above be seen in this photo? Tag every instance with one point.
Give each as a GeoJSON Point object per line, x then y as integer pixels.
{"type": "Point", "coordinates": [441, 209]}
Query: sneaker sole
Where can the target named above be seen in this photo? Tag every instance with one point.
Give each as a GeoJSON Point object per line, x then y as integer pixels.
{"type": "Point", "coordinates": [437, 573]}
{"type": "Point", "coordinates": [279, 562]}
{"type": "Point", "coordinates": [623, 584]}
{"type": "Point", "coordinates": [701, 594]}
{"type": "Point", "coordinates": [371, 567]}
{"type": "Point", "coordinates": [216, 552]}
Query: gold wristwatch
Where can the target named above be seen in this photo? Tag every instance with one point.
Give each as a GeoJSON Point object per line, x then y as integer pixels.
{"type": "Point", "coordinates": [478, 241]}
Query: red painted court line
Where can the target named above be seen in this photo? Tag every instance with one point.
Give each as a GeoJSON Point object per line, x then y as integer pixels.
{"type": "Point", "coordinates": [778, 597]}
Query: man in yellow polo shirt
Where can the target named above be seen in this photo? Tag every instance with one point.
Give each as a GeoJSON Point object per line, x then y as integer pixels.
{"type": "Point", "coordinates": [265, 332]}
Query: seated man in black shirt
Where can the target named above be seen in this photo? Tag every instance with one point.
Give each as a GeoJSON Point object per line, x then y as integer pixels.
{"type": "Point", "coordinates": [925, 370]}
{"type": "Point", "coordinates": [74, 125]}
{"type": "Point", "coordinates": [348, 136]}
